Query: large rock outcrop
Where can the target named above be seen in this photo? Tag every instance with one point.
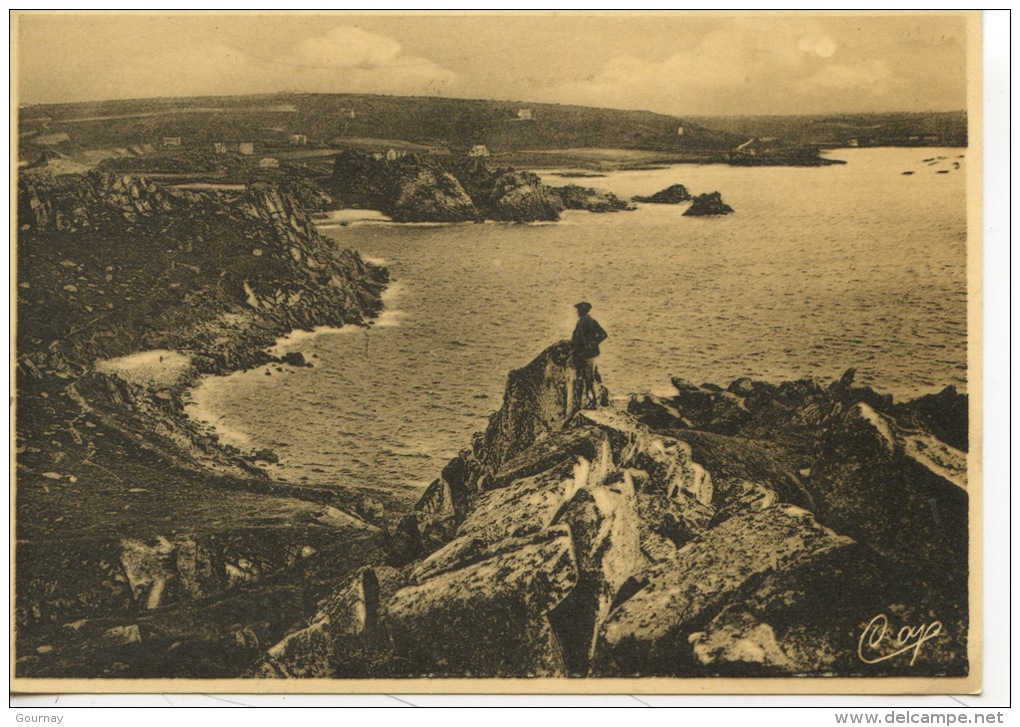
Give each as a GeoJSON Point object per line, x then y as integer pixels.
{"type": "Point", "coordinates": [540, 399]}
{"type": "Point", "coordinates": [673, 194]}
{"type": "Point", "coordinates": [421, 189]}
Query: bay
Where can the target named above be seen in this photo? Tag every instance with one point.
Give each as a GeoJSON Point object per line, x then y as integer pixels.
{"type": "Point", "coordinates": [819, 269]}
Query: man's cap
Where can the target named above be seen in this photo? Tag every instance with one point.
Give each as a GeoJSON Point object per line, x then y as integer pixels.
{"type": "Point", "coordinates": [583, 307]}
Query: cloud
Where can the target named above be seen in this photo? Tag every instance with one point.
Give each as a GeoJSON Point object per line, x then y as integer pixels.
{"type": "Point", "coordinates": [744, 66]}
{"type": "Point", "coordinates": [348, 58]}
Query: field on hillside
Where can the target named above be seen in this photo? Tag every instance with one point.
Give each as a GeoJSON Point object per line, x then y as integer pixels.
{"type": "Point", "coordinates": [340, 119]}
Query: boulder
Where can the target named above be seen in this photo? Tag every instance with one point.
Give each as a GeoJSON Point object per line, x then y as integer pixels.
{"type": "Point", "coordinates": [429, 525]}
{"type": "Point", "coordinates": [740, 496]}
{"type": "Point", "coordinates": [266, 455]}
{"type": "Point", "coordinates": [945, 415]}
{"type": "Point", "coordinates": [740, 639]}
{"type": "Point", "coordinates": [574, 197]}
{"type": "Point", "coordinates": [149, 568]}
{"type": "Point", "coordinates": [489, 618]}
{"type": "Point", "coordinates": [587, 442]}
{"type": "Point", "coordinates": [370, 509]}
{"type": "Point", "coordinates": [657, 412]}
{"type": "Point", "coordinates": [666, 460]}
{"type": "Point", "coordinates": [526, 505]}
{"type": "Point", "coordinates": [702, 407]}
{"type": "Point", "coordinates": [902, 492]}
{"type": "Point", "coordinates": [708, 204]}
{"type": "Point", "coordinates": [677, 519]}
{"type": "Point", "coordinates": [520, 197]}
{"type": "Point", "coordinates": [604, 526]}
{"type": "Point", "coordinates": [121, 635]}
{"type": "Point", "coordinates": [516, 510]}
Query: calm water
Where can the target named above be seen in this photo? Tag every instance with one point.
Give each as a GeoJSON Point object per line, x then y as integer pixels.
{"type": "Point", "coordinates": [818, 270]}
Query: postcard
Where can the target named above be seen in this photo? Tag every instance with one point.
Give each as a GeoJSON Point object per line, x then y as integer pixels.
{"type": "Point", "coordinates": [503, 352]}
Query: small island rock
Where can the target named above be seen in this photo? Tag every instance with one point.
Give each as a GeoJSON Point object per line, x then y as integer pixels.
{"type": "Point", "coordinates": [674, 194]}
{"type": "Point", "coordinates": [708, 204]}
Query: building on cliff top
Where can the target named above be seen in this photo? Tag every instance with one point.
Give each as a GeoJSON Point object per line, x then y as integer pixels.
{"type": "Point", "coordinates": [525, 115]}
{"type": "Point", "coordinates": [479, 150]}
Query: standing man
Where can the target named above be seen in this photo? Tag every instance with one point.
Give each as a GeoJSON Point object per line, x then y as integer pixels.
{"type": "Point", "coordinates": [588, 334]}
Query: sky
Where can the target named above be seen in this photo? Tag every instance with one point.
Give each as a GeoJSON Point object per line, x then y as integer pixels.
{"type": "Point", "coordinates": [689, 64]}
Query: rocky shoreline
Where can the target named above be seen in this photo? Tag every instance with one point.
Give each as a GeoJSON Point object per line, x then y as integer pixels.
{"type": "Point", "coordinates": [695, 535]}
{"type": "Point", "coordinates": [418, 188]}
{"type": "Point", "coordinates": [721, 532]}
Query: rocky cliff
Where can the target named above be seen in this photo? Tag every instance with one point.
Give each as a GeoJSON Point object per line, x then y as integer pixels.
{"type": "Point", "coordinates": [737, 531]}
{"type": "Point", "coordinates": [422, 189]}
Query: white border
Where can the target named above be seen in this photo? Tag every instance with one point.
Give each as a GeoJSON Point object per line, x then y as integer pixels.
{"type": "Point", "coordinates": [997, 546]}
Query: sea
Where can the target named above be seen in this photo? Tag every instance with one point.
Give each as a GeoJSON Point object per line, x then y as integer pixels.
{"type": "Point", "coordinates": [818, 270]}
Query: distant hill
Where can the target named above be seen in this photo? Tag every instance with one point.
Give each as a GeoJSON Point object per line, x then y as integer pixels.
{"type": "Point", "coordinates": [330, 120]}
{"type": "Point", "coordinates": [842, 130]}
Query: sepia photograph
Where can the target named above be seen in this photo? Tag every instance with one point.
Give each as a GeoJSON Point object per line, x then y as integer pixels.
{"type": "Point", "coordinates": [509, 352]}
